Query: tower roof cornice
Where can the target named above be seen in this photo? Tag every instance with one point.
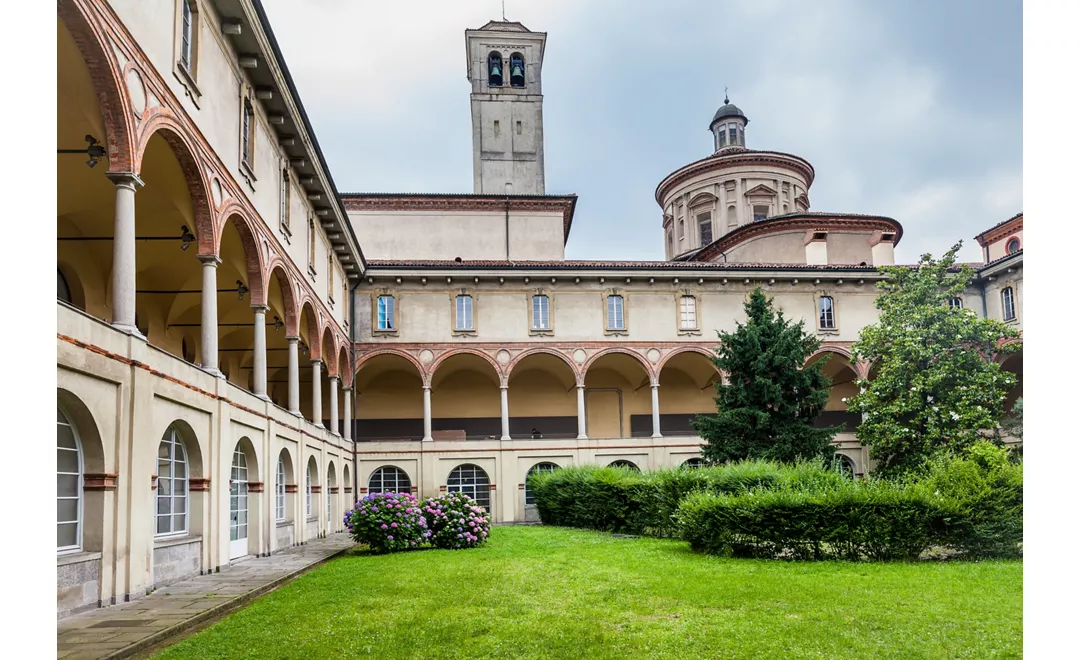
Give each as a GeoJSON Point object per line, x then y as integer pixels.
{"type": "Point", "coordinates": [733, 157]}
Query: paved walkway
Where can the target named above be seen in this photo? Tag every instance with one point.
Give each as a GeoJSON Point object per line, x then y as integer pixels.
{"type": "Point", "coordinates": [123, 630]}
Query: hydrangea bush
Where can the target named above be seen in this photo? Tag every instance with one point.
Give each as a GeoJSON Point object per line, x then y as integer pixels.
{"type": "Point", "coordinates": [388, 522]}
{"type": "Point", "coordinates": [456, 521]}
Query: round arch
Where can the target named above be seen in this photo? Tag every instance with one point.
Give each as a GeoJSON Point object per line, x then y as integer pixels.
{"type": "Point", "coordinates": [461, 352]}
{"type": "Point", "coordinates": [543, 351]}
{"type": "Point", "coordinates": [362, 360]}
{"type": "Point", "coordinates": [618, 396]}
{"type": "Point", "coordinates": [542, 396]}
{"type": "Point", "coordinates": [314, 339]}
{"type": "Point", "coordinates": [251, 456]}
{"type": "Point", "coordinates": [343, 366]}
{"type": "Point", "coordinates": [617, 350]}
{"type": "Point", "coordinates": [279, 274]}
{"type": "Point", "coordinates": [249, 241]}
{"type": "Point", "coordinates": [389, 385]}
{"type": "Point", "coordinates": [198, 187]}
{"type": "Point", "coordinates": [105, 75]}
{"type": "Point", "coordinates": [328, 352]}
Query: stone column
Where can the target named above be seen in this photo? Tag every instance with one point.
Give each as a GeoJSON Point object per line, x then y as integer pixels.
{"type": "Point", "coordinates": [656, 411]}
{"type": "Point", "coordinates": [294, 375]}
{"type": "Point", "coordinates": [581, 413]}
{"type": "Point", "coordinates": [333, 405]}
{"type": "Point", "coordinates": [209, 313]}
{"type": "Point", "coordinates": [316, 393]}
{"type": "Point", "coordinates": [123, 268]}
{"type": "Point", "coordinates": [427, 413]}
{"type": "Point", "coordinates": [260, 351]}
{"type": "Point", "coordinates": [347, 422]}
{"type": "Point", "coordinates": [505, 413]}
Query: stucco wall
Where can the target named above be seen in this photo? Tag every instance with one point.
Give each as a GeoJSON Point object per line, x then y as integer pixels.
{"type": "Point", "coordinates": [996, 250]}
{"type": "Point", "coordinates": [449, 235]}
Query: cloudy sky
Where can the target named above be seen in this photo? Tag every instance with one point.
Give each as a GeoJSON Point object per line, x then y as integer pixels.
{"type": "Point", "coordinates": [907, 109]}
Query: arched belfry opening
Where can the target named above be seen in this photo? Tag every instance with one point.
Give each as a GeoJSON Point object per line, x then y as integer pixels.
{"type": "Point", "coordinates": [495, 69]}
{"type": "Point", "coordinates": [517, 70]}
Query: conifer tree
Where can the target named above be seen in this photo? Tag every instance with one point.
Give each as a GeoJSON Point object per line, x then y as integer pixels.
{"type": "Point", "coordinates": [768, 406]}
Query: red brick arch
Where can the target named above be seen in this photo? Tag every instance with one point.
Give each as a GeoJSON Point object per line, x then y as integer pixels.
{"type": "Point", "coordinates": [314, 336]}
{"type": "Point", "coordinates": [700, 350]}
{"type": "Point", "coordinates": [499, 373]}
{"type": "Point", "coordinates": [249, 240]}
{"type": "Point", "coordinates": [79, 17]}
{"type": "Point", "coordinates": [288, 296]}
{"type": "Point", "coordinates": [544, 351]}
{"type": "Point", "coordinates": [327, 337]}
{"type": "Point", "coordinates": [201, 205]}
{"type": "Point", "coordinates": [362, 359]}
{"type": "Point", "coordinates": [652, 375]}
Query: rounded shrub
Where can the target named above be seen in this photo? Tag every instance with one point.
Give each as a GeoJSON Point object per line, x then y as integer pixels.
{"type": "Point", "coordinates": [456, 521]}
{"type": "Point", "coordinates": [388, 522]}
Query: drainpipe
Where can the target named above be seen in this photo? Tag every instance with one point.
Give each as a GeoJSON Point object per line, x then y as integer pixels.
{"type": "Point", "coordinates": [352, 365]}
{"type": "Point", "coordinates": [509, 187]}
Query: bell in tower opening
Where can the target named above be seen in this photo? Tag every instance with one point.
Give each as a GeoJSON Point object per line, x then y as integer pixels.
{"type": "Point", "coordinates": [495, 65]}
{"type": "Point", "coordinates": [517, 70]}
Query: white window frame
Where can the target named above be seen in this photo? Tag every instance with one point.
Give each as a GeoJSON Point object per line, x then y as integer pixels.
{"type": "Point", "coordinates": [247, 137]}
{"type": "Point", "coordinates": [956, 302]}
{"type": "Point", "coordinates": [286, 201]}
{"type": "Point", "coordinates": [279, 490]}
{"type": "Point", "coordinates": [616, 312]}
{"type": "Point", "coordinates": [188, 17]}
{"type": "Point", "coordinates": [826, 313]}
{"type": "Point", "coordinates": [386, 474]}
{"type": "Point", "coordinates": [1009, 242]}
{"type": "Point", "coordinates": [78, 485]}
{"type": "Point", "coordinates": [310, 478]}
{"type": "Point", "coordinates": [1008, 303]}
{"type": "Point", "coordinates": [688, 312]}
{"type": "Point", "coordinates": [704, 221]}
{"type": "Point", "coordinates": [472, 480]}
{"type": "Point", "coordinates": [541, 312]}
{"type": "Point", "coordinates": [386, 309]}
{"type": "Point", "coordinates": [463, 313]}
{"type": "Point", "coordinates": [175, 442]}
{"type": "Point", "coordinates": [754, 212]}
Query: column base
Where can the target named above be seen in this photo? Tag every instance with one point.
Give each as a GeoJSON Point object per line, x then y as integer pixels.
{"type": "Point", "coordinates": [505, 437]}
{"type": "Point", "coordinates": [656, 435]}
{"type": "Point", "coordinates": [335, 434]}
{"type": "Point", "coordinates": [428, 439]}
{"type": "Point", "coordinates": [264, 398]}
{"type": "Point", "coordinates": [296, 413]}
{"type": "Point", "coordinates": [129, 329]}
{"type": "Point", "coordinates": [213, 371]}
{"type": "Point", "coordinates": [583, 437]}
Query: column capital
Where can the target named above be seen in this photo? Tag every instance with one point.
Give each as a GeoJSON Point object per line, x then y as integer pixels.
{"type": "Point", "coordinates": [346, 388]}
{"type": "Point", "coordinates": [125, 179]}
{"type": "Point", "coordinates": [293, 340]}
{"type": "Point", "coordinates": [209, 259]}
{"type": "Point", "coordinates": [333, 378]}
{"type": "Point", "coordinates": [427, 388]}
{"type": "Point", "coordinates": [504, 387]}
{"type": "Point", "coordinates": [260, 307]}
{"type": "Point", "coordinates": [316, 362]}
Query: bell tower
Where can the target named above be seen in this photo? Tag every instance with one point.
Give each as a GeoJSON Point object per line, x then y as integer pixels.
{"type": "Point", "coordinates": [504, 63]}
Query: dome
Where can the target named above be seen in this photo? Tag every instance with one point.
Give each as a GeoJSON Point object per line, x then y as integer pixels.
{"type": "Point", "coordinates": [728, 110]}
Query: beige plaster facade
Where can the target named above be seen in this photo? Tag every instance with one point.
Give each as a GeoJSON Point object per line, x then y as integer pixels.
{"type": "Point", "coordinates": [250, 350]}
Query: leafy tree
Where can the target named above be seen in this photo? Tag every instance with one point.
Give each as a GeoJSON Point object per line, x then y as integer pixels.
{"type": "Point", "coordinates": [768, 407]}
{"type": "Point", "coordinates": [937, 387]}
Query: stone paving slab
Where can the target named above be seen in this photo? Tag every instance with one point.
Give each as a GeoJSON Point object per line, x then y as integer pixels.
{"type": "Point", "coordinates": [124, 630]}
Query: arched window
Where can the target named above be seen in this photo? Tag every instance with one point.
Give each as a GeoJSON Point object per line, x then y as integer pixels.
{"type": "Point", "coordinates": [495, 70]}
{"type": "Point", "coordinates": [844, 465]}
{"type": "Point", "coordinates": [63, 291]}
{"type": "Point", "coordinates": [694, 463]}
{"type": "Point", "coordinates": [536, 469]}
{"type": "Point", "coordinates": [1008, 304]}
{"type": "Point", "coordinates": [517, 70]}
{"type": "Point", "coordinates": [956, 302]}
{"type": "Point", "coordinates": [389, 479]}
{"type": "Point", "coordinates": [279, 490]}
{"type": "Point", "coordinates": [622, 463]}
{"type": "Point", "coordinates": [1012, 246]}
{"type": "Point", "coordinates": [69, 485]}
{"type": "Point", "coordinates": [172, 485]}
{"type": "Point", "coordinates": [473, 481]}
{"type": "Point", "coordinates": [826, 313]}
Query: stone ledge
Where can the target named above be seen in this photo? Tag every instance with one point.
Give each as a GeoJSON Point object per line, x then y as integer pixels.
{"type": "Point", "coordinates": [170, 541]}
{"type": "Point", "coordinates": [76, 557]}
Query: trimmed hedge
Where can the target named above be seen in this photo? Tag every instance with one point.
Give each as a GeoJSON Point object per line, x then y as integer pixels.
{"type": "Point", "coordinates": [625, 501]}
{"type": "Point", "coordinates": [970, 505]}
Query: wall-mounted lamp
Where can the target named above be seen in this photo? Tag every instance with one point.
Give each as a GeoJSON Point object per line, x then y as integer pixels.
{"type": "Point", "coordinates": [95, 151]}
{"type": "Point", "coordinates": [241, 289]}
{"type": "Point", "coordinates": [277, 323]}
{"type": "Point", "coordinates": [186, 237]}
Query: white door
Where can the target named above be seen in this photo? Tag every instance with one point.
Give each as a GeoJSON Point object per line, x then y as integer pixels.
{"type": "Point", "coordinates": [238, 506]}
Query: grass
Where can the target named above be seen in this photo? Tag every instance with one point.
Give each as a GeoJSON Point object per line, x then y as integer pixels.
{"type": "Point", "coordinates": [541, 592]}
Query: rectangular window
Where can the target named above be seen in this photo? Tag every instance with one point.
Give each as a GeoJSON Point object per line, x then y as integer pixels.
{"type": "Point", "coordinates": [733, 136]}
{"type": "Point", "coordinates": [463, 319]}
{"type": "Point", "coordinates": [329, 274]}
{"type": "Point", "coordinates": [248, 130]}
{"type": "Point", "coordinates": [956, 303]}
{"type": "Point", "coordinates": [279, 492]}
{"type": "Point", "coordinates": [760, 213]}
{"type": "Point", "coordinates": [286, 194]}
{"type": "Point", "coordinates": [688, 313]}
{"type": "Point", "coordinates": [386, 313]}
{"type": "Point", "coordinates": [541, 315]}
{"type": "Point", "coordinates": [311, 244]}
{"type": "Point", "coordinates": [1008, 305]}
{"type": "Point", "coordinates": [705, 228]}
{"type": "Point", "coordinates": [187, 41]}
{"type": "Point", "coordinates": [826, 316]}
{"type": "Point", "coordinates": [615, 320]}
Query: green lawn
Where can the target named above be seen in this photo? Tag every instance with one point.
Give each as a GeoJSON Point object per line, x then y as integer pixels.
{"type": "Point", "coordinates": [539, 592]}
